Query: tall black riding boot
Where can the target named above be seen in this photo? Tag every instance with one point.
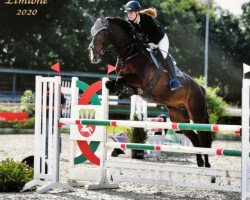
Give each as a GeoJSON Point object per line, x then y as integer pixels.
{"type": "Point", "coordinates": [170, 65]}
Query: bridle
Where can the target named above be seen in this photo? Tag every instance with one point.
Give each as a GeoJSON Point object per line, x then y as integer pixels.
{"type": "Point", "coordinates": [121, 58]}
{"type": "Point", "coordinates": [104, 40]}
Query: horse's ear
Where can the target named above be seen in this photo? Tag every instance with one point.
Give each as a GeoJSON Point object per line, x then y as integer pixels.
{"type": "Point", "coordinates": [92, 18]}
{"type": "Point", "coordinates": [104, 21]}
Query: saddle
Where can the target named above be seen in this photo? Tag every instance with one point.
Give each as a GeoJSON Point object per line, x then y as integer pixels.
{"type": "Point", "coordinates": [153, 54]}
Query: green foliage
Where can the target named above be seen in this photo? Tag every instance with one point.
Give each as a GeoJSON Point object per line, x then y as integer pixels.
{"type": "Point", "coordinates": [216, 105]}
{"type": "Point", "coordinates": [136, 135]}
{"type": "Point", "coordinates": [64, 33]}
{"type": "Point", "coordinates": [25, 124]}
{"type": "Point", "coordinates": [10, 108]}
{"type": "Point", "coordinates": [27, 99]}
{"type": "Point", "coordinates": [112, 130]}
{"type": "Point", "coordinates": [26, 104]}
{"type": "Point", "coordinates": [14, 175]}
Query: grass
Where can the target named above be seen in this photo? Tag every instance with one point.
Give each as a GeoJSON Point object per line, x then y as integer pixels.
{"type": "Point", "coordinates": [116, 130]}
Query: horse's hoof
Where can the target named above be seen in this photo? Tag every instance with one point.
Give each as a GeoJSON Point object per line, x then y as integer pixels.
{"type": "Point", "coordinates": [29, 161]}
{"type": "Point", "coordinates": [200, 163]}
{"type": "Point", "coordinates": [207, 165]}
{"type": "Point", "coordinates": [122, 96]}
{"type": "Point", "coordinates": [111, 86]}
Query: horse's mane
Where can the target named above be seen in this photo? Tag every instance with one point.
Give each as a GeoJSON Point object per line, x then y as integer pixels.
{"type": "Point", "coordinates": [125, 25]}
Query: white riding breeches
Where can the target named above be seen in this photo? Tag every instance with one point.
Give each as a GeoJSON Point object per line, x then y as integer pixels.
{"type": "Point", "coordinates": [163, 46]}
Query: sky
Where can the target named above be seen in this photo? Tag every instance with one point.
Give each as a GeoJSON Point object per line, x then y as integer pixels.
{"type": "Point", "coordinates": [234, 6]}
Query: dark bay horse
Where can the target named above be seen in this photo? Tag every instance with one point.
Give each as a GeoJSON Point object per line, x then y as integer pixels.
{"type": "Point", "coordinates": [137, 70]}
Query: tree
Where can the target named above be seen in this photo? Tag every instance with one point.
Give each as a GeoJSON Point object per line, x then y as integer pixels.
{"type": "Point", "coordinates": [61, 30]}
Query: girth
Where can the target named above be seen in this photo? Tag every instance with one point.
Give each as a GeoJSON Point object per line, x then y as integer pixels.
{"type": "Point", "coordinates": [147, 93]}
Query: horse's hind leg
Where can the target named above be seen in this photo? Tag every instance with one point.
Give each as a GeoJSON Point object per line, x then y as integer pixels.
{"type": "Point", "coordinates": [206, 140]}
{"type": "Point", "coordinates": [198, 114]}
{"type": "Point", "coordinates": [177, 115]}
{"type": "Point", "coordinates": [196, 143]}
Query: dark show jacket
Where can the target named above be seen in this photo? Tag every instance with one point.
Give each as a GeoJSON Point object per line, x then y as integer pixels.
{"type": "Point", "coordinates": [148, 27]}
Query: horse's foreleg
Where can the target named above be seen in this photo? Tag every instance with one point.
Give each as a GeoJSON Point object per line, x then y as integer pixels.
{"type": "Point", "coordinates": [127, 85]}
{"type": "Point", "coordinates": [110, 84]}
{"type": "Point", "coordinates": [120, 87]}
{"type": "Point", "coordinates": [132, 80]}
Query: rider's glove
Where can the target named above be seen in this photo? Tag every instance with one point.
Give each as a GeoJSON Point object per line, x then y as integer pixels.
{"type": "Point", "coordinates": [152, 45]}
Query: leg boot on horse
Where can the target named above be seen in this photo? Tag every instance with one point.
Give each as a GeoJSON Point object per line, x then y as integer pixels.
{"type": "Point", "coordinates": [120, 89]}
{"type": "Point", "coordinates": [124, 90]}
{"type": "Point", "coordinates": [110, 84]}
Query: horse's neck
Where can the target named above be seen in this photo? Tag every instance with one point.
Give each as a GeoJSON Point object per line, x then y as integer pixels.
{"type": "Point", "coordinates": [120, 40]}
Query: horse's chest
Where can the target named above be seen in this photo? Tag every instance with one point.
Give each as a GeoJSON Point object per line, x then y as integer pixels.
{"type": "Point", "coordinates": [125, 71]}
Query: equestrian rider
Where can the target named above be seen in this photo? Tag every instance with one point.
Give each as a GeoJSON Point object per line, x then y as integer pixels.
{"type": "Point", "coordinates": [144, 24]}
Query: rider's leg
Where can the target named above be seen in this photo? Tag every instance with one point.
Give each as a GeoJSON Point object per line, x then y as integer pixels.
{"type": "Point", "coordinates": [170, 65]}
{"type": "Point", "coordinates": [174, 83]}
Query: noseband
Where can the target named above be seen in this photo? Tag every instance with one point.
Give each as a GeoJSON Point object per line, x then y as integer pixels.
{"type": "Point", "coordinates": [104, 40]}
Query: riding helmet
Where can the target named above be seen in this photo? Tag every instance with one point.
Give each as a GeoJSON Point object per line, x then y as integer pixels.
{"type": "Point", "coordinates": [132, 6]}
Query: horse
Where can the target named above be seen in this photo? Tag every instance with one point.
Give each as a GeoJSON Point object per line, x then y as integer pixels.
{"type": "Point", "coordinates": [138, 72]}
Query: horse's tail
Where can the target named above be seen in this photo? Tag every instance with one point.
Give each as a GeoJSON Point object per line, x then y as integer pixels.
{"type": "Point", "coordinates": [207, 113]}
{"type": "Point", "coordinates": [210, 136]}
{"type": "Point", "coordinates": [203, 90]}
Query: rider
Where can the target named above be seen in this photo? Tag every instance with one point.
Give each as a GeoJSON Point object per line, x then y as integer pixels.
{"type": "Point", "coordinates": [144, 24]}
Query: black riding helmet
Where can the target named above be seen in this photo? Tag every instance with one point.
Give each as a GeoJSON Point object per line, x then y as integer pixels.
{"type": "Point", "coordinates": [132, 6]}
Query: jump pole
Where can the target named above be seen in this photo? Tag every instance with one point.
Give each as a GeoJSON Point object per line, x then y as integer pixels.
{"type": "Point", "coordinates": [145, 124]}
{"type": "Point", "coordinates": [179, 149]}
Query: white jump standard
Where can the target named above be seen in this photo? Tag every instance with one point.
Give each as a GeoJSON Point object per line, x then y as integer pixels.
{"type": "Point", "coordinates": [101, 172]}
{"type": "Point", "coordinates": [46, 167]}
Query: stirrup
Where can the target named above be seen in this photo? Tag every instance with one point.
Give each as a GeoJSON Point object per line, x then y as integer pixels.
{"type": "Point", "coordinates": [174, 84]}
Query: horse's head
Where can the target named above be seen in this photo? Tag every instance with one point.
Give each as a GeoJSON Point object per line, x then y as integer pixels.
{"type": "Point", "coordinates": [99, 42]}
{"type": "Point", "coordinates": [111, 30]}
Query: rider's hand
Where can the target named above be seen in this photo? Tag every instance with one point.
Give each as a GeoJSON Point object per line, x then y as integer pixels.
{"type": "Point", "coordinates": [152, 45]}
